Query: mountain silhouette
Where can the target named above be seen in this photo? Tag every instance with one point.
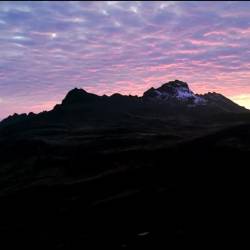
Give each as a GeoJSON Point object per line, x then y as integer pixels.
{"type": "Point", "coordinates": [172, 98]}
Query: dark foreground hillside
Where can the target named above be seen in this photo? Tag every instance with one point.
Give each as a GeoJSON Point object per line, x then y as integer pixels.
{"type": "Point", "coordinates": [121, 188]}
{"type": "Point", "coordinates": [151, 179]}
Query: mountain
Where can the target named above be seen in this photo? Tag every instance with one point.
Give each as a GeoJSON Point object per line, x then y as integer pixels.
{"type": "Point", "coordinates": [175, 91]}
{"type": "Point", "coordinates": [77, 96]}
{"type": "Point", "coordinates": [173, 98]}
{"type": "Point", "coordinates": [178, 92]}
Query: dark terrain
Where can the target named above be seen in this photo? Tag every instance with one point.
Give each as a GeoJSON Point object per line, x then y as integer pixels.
{"type": "Point", "coordinates": [158, 171]}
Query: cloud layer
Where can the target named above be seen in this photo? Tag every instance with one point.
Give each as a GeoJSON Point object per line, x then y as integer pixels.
{"type": "Point", "coordinates": [47, 48]}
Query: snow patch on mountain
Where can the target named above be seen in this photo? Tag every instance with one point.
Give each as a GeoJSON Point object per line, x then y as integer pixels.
{"type": "Point", "coordinates": [175, 90]}
{"type": "Point", "coordinates": [184, 93]}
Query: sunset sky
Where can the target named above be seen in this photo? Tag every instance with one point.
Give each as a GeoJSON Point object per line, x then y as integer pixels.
{"type": "Point", "coordinates": [48, 48]}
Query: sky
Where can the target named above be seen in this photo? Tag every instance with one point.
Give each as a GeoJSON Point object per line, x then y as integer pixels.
{"type": "Point", "coordinates": [48, 48]}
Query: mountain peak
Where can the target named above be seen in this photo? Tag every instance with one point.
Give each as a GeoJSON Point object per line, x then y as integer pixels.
{"type": "Point", "coordinates": [175, 84]}
{"type": "Point", "coordinates": [174, 90]}
{"type": "Point", "coordinates": [76, 91]}
{"type": "Point", "coordinates": [78, 95]}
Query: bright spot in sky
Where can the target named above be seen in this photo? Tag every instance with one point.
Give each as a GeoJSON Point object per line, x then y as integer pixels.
{"type": "Point", "coordinates": [162, 6]}
{"type": "Point", "coordinates": [134, 9]}
{"type": "Point", "coordinates": [104, 12]}
{"type": "Point", "coordinates": [53, 35]}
